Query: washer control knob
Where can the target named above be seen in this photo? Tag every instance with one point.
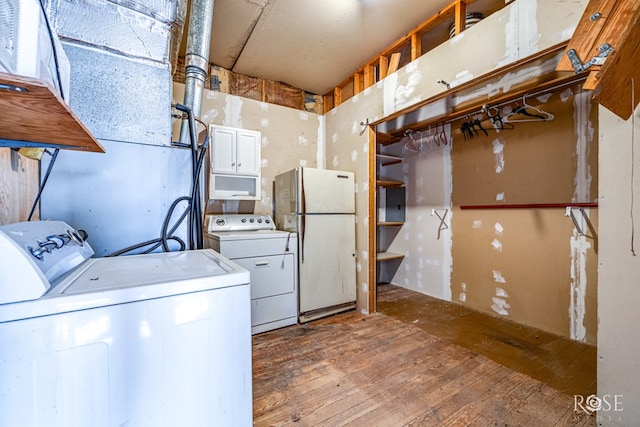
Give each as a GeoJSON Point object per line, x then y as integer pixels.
{"type": "Point", "coordinates": [220, 222]}
{"type": "Point", "coordinates": [244, 220]}
{"type": "Point", "coordinates": [259, 220]}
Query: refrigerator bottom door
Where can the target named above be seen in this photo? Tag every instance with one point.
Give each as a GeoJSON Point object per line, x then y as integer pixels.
{"type": "Point", "coordinates": [327, 261]}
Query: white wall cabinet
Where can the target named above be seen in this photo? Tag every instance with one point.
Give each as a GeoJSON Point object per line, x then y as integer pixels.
{"type": "Point", "coordinates": [235, 163]}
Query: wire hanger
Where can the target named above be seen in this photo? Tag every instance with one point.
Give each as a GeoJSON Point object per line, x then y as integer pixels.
{"type": "Point", "coordinates": [527, 113]}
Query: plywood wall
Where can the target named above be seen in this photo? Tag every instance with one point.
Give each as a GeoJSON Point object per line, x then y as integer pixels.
{"type": "Point", "coordinates": [529, 265]}
{"type": "Point", "coordinates": [18, 186]}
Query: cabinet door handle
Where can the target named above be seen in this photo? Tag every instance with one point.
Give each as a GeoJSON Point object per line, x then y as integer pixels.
{"type": "Point", "coordinates": [261, 264]}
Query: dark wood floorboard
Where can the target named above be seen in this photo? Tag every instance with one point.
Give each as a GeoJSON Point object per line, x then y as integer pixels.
{"type": "Point", "coordinates": [564, 364]}
{"type": "Point", "coordinates": [358, 370]}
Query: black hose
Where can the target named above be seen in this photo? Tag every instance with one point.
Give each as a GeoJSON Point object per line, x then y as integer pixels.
{"type": "Point", "coordinates": [54, 156]}
{"type": "Point", "coordinates": [193, 211]}
{"type": "Point", "coordinates": [59, 80]}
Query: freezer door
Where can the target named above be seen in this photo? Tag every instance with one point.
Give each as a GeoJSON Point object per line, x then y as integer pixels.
{"type": "Point", "coordinates": [327, 191]}
{"type": "Point", "coordinates": [327, 261]}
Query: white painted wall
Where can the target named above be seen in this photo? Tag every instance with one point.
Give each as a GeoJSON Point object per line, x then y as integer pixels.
{"type": "Point", "coordinates": [619, 272]}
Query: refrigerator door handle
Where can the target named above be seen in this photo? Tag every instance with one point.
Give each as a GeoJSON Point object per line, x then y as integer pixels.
{"type": "Point", "coordinates": [303, 211]}
{"type": "Point", "coordinates": [303, 219]}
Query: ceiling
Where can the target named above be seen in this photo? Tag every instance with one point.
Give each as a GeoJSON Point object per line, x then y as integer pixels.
{"type": "Point", "coordinates": [309, 44]}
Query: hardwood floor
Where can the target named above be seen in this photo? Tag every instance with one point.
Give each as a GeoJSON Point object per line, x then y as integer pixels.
{"type": "Point", "coordinates": [377, 370]}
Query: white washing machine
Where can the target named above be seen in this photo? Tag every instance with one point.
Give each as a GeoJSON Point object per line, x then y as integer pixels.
{"type": "Point", "coordinates": [271, 257]}
{"type": "Point", "coordinates": [148, 340]}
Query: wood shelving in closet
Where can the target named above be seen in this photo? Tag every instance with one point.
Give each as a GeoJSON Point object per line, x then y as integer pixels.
{"type": "Point", "coordinates": [383, 183]}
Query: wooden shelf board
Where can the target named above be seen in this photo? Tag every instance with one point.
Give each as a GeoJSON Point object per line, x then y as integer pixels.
{"type": "Point", "coordinates": [387, 159]}
{"type": "Point", "coordinates": [35, 116]}
{"type": "Point", "coordinates": [387, 256]}
{"type": "Point", "coordinates": [390, 224]}
{"type": "Point", "coordinates": [389, 183]}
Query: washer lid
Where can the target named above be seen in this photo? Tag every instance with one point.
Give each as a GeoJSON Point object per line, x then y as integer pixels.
{"type": "Point", "coordinates": [101, 282]}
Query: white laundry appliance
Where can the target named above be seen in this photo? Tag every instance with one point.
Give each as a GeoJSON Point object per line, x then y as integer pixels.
{"type": "Point", "coordinates": [319, 205]}
{"type": "Point", "coordinates": [147, 340]}
{"type": "Point", "coordinates": [271, 257]}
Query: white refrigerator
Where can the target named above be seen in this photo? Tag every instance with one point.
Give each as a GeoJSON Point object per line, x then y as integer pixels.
{"type": "Point", "coordinates": [319, 205]}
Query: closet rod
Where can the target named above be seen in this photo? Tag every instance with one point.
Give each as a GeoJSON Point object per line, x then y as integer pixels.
{"type": "Point", "coordinates": [532, 206]}
{"type": "Point", "coordinates": [549, 87]}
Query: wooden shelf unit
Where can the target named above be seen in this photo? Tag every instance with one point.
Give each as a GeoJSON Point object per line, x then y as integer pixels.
{"type": "Point", "coordinates": [34, 116]}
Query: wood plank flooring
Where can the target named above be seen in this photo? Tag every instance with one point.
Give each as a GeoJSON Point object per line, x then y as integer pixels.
{"type": "Point", "coordinates": [358, 370]}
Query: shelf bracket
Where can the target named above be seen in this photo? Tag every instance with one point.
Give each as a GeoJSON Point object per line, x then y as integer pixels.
{"type": "Point", "coordinates": [605, 49]}
{"type": "Point", "coordinates": [580, 228]}
{"type": "Point", "coordinates": [442, 217]}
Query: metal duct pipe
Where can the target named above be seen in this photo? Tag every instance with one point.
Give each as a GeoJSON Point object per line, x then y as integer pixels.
{"type": "Point", "coordinates": [196, 59]}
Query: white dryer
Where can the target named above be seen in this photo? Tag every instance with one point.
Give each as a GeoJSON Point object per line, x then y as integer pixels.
{"type": "Point", "coordinates": [271, 257]}
{"type": "Point", "coordinates": [147, 340]}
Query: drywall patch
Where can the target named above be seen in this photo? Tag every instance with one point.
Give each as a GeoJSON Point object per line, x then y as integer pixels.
{"type": "Point", "coordinates": [302, 140]}
{"type": "Point", "coordinates": [322, 143]}
{"type": "Point", "coordinates": [461, 77]}
{"type": "Point", "coordinates": [365, 255]}
{"type": "Point", "coordinates": [358, 267]}
{"type": "Point", "coordinates": [500, 197]}
{"type": "Point", "coordinates": [389, 90]}
{"type": "Point", "coordinates": [233, 111]}
{"type": "Point", "coordinates": [404, 94]}
{"type": "Point", "coordinates": [499, 229]}
{"type": "Point", "coordinates": [264, 122]}
{"type": "Point", "coordinates": [579, 248]}
{"type": "Point", "coordinates": [476, 224]}
{"type": "Point", "coordinates": [498, 277]}
{"type": "Point", "coordinates": [498, 152]}
{"type": "Point", "coordinates": [303, 116]}
{"type": "Point", "coordinates": [500, 306]}
{"type": "Point", "coordinates": [544, 98]}
{"type": "Point", "coordinates": [264, 163]}
{"type": "Point", "coordinates": [497, 245]}
{"type": "Point", "coordinates": [584, 132]}
{"type": "Point", "coordinates": [209, 115]}
{"type": "Point", "coordinates": [463, 292]}
{"type": "Point", "coordinates": [528, 34]}
{"type": "Point", "coordinates": [354, 155]}
{"type": "Point", "coordinates": [335, 162]}
{"type": "Point", "coordinates": [566, 94]}
{"type": "Point", "coordinates": [303, 162]}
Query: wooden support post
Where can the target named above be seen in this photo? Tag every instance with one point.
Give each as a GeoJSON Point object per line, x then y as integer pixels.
{"type": "Point", "coordinates": [461, 16]}
{"type": "Point", "coordinates": [369, 75]}
{"type": "Point", "coordinates": [337, 96]}
{"type": "Point", "coordinates": [327, 103]}
{"type": "Point", "coordinates": [383, 67]}
{"type": "Point", "coordinates": [416, 46]}
{"type": "Point", "coordinates": [358, 82]}
{"type": "Point", "coordinates": [393, 63]}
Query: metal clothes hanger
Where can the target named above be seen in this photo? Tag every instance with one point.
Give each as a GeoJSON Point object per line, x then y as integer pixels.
{"type": "Point", "coordinates": [530, 113]}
